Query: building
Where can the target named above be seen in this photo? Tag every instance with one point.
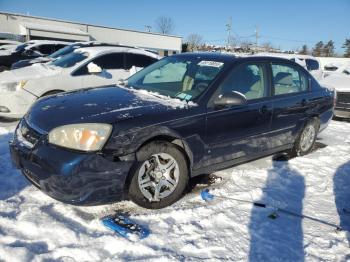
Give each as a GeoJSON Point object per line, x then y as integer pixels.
{"type": "Point", "coordinates": [25, 28]}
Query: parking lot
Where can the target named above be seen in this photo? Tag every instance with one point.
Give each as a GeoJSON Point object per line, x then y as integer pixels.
{"type": "Point", "coordinates": [174, 131]}
{"type": "Point", "coordinates": [34, 226]}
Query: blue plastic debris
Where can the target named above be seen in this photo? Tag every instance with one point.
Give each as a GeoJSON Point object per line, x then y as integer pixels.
{"type": "Point", "coordinates": [206, 196]}
{"type": "Point", "coordinates": [124, 227]}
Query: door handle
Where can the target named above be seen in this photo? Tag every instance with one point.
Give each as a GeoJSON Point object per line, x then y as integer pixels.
{"type": "Point", "coordinates": [263, 110]}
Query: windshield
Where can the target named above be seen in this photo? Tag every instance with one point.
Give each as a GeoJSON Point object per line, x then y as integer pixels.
{"type": "Point", "coordinates": [178, 77]}
{"type": "Point", "coordinates": [70, 59]}
{"type": "Point", "coordinates": [63, 51]}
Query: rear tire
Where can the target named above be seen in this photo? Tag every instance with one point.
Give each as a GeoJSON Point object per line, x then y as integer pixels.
{"type": "Point", "coordinates": [306, 140]}
{"type": "Point", "coordinates": [160, 175]}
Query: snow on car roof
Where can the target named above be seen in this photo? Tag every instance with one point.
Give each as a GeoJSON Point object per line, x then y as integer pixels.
{"type": "Point", "coordinates": [33, 43]}
{"type": "Point", "coordinates": [96, 50]}
{"type": "Point", "coordinates": [288, 56]}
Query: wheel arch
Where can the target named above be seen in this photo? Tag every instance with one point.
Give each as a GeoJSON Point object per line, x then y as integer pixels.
{"type": "Point", "coordinates": [170, 138]}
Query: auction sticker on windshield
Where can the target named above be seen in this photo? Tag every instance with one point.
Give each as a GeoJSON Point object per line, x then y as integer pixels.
{"type": "Point", "coordinates": [210, 63]}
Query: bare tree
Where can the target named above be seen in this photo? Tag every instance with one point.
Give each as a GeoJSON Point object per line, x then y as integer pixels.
{"type": "Point", "coordinates": [165, 25]}
{"type": "Point", "coordinates": [194, 41]}
{"type": "Point", "coordinates": [304, 50]}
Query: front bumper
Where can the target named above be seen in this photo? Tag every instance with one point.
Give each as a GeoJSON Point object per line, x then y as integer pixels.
{"type": "Point", "coordinates": [342, 112]}
{"type": "Point", "coordinates": [16, 103]}
{"type": "Point", "coordinates": [71, 177]}
{"type": "Point", "coordinates": [342, 107]}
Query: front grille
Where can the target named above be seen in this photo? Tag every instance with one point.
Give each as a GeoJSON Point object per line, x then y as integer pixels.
{"type": "Point", "coordinates": [27, 135]}
{"type": "Point", "coordinates": [343, 99]}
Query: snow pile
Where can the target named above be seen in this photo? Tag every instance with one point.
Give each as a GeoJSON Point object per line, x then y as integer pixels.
{"type": "Point", "coordinates": [162, 99]}
{"type": "Point", "coordinates": [36, 227]}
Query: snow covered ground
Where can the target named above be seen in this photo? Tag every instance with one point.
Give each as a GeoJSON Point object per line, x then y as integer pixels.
{"type": "Point", "coordinates": [34, 227]}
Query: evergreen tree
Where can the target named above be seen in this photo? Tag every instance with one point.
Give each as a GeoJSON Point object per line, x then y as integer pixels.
{"type": "Point", "coordinates": [347, 47]}
{"type": "Point", "coordinates": [329, 49]}
{"type": "Point", "coordinates": [304, 50]}
{"type": "Point", "coordinates": [318, 49]}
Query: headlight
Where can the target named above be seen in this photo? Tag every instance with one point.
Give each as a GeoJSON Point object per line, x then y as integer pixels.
{"type": "Point", "coordinates": [12, 87]}
{"type": "Point", "coordinates": [84, 137]}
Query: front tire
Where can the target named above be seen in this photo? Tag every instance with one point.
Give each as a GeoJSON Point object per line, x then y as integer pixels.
{"type": "Point", "coordinates": [306, 140]}
{"type": "Point", "coordinates": [160, 175]}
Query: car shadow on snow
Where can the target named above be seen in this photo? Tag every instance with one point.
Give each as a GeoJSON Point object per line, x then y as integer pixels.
{"type": "Point", "coordinates": [275, 235]}
{"type": "Point", "coordinates": [11, 180]}
{"type": "Point", "coordinates": [341, 189]}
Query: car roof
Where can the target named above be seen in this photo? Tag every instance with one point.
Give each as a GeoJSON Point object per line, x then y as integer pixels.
{"type": "Point", "coordinates": [96, 43]}
{"type": "Point", "coordinates": [230, 58]}
{"type": "Point", "coordinates": [210, 56]}
{"type": "Point", "coordinates": [287, 56]}
{"type": "Point", "coordinates": [41, 42]}
{"type": "Point", "coordinates": [97, 50]}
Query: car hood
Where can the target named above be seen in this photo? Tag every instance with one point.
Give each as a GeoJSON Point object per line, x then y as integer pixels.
{"type": "Point", "coordinates": [29, 72]}
{"type": "Point", "coordinates": [7, 50]}
{"type": "Point", "coordinates": [96, 105]}
{"type": "Point", "coordinates": [339, 81]}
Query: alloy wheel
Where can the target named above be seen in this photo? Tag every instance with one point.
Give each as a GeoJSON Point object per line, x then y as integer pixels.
{"type": "Point", "coordinates": [158, 177]}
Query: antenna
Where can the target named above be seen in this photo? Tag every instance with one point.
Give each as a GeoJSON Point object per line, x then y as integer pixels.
{"type": "Point", "coordinates": [229, 31]}
{"type": "Point", "coordinates": [257, 36]}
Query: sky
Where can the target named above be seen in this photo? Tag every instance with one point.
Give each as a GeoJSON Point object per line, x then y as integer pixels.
{"type": "Point", "coordinates": [285, 24]}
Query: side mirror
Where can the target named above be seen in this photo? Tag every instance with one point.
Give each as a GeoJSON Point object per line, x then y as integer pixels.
{"type": "Point", "coordinates": [230, 99]}
{"type": "Point", "coordinates": [93, 68]}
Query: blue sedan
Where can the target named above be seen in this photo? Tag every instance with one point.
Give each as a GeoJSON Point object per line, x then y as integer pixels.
{"type": "Point", "coordinates": [186, 115]}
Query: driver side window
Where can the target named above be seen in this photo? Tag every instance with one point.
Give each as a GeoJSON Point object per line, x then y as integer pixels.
{"type": "Point", "coordinates": [247, 79]}
{"type": "Point", "coordinates": [106, 62]}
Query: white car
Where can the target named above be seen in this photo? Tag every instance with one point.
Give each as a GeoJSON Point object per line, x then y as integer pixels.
{"type": "Point", "coordinates": [10, 54]}
{"type": "Point", "coordinates": [82, 68]}
{"type": "Point", "coordinates": [310, 63]}
{"type": "Point", "coordinates": [340, 81]}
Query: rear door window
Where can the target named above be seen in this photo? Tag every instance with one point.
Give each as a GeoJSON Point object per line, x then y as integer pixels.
{"type": "Point", "coordinates": [106, 62]}
{"type": "Point", "coordinates": [287, 79]}
{"type": "Point", "coordinates": [110, 61]}
{"type": "Point", "coordinates": [138, 60]}
{"type": "Point", "coordinates": [45, 49]}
